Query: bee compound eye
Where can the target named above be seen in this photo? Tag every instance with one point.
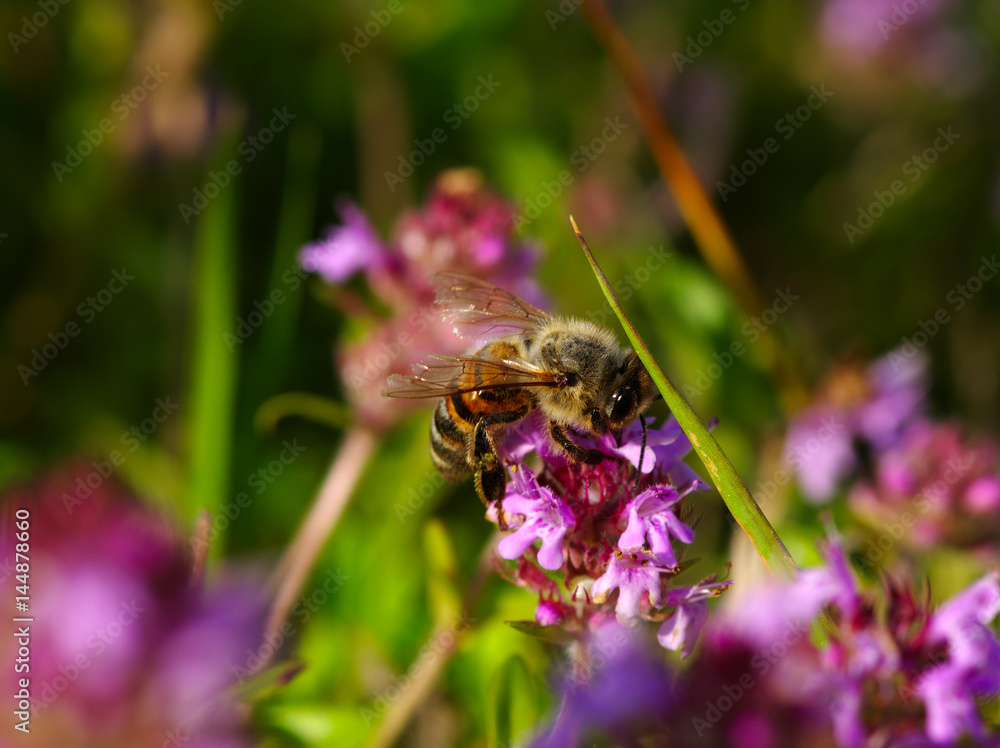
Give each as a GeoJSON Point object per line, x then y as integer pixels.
{"type": "Point", "coordinates": [619, 405]}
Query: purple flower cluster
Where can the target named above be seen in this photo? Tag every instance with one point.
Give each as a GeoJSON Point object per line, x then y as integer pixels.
{"type": "Point", "coordinates": [941, 487]}
{"type": "Point", "coordinates": [857, 412]}
{"type": "Point", "coordinates": [126, 648]}
{"type": "Point", "coordinates": [462, 228]}
{"type": "Point", "coordinates": [894, 671]}
{"type": "Point", "coordinates": [923, 478]}
{"type": "Point", "coordinates": [608, 548]}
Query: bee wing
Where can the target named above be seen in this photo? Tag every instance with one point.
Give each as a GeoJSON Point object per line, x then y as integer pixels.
{"type": "Point", "coordinates": [479, 309]}
{"type": "Point", "coordinates": [439, 376]}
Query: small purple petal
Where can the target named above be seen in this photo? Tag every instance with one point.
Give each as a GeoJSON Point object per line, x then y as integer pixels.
{"type": "Point", "coordinates": [951, 710]}
{"type": "Point", "coordinates": [548, 613]}
{"type": "Point", "coordinates": [347, 249]}
{"type": "Point", "coordinates": [650, 517]}
{"type": "Point", "coordinates": [632, 578]}
{"type": "Point", "coordinates": [546, 518]}
{"type": "Point", "coordinates": [819, 447]}
{"type": "Point", "coordinates": [983, 494]}
{"type": "Point", "coordinates": [681, 629]}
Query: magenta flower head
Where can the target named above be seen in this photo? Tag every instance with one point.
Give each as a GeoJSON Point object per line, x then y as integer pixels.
{"type": "Point", "coordinates": [938, 486]}
{"type": "Point", "coordinates": [857, 411]}
{"type": "Point", "coordinates": [126, 649]}
{"type": "Point", "coordinates": [607, 548]}
{"type": "Point", "coordinates": [462, 228]}
{"type": "Point", "coordinates": [866, 28]}
{"type": "Point", "coordinates": [895, 672]}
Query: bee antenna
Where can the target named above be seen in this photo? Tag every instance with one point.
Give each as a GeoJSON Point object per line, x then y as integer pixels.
{"type": "Point", "coordinates": [642, 452]}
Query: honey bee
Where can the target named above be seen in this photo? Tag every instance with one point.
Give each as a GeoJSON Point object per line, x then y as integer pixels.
{"type": "Point", "coordinates": [571, 370]}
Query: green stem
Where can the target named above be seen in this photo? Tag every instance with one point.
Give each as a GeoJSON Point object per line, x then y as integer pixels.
{"type": "Point", "coordinates": [313, 407]}
{"type": "Point", "coordinates": [733, 490]}
{"type": "Point", "coordinates": [214, 368]}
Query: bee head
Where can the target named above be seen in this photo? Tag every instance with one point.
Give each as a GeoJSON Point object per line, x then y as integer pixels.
{"type": "Point", "coordinates": [633, 393]}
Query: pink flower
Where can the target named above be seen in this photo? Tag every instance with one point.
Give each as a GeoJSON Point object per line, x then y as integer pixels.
{"type": "Point", "coordinates": [631, 575]}
{"type": "Point", "coordinates": [125, 645]}
{"type": "Point", "coordinates": [650, 517]}
{"type": "Point", "coordinates": [545, 518]}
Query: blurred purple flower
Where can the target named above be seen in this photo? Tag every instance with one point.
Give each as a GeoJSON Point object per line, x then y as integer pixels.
{"type": "Point", "coordinates": [945, 488]}
{"type": "Point", "coordinates": [462, 228]}
{"type": "Point", "coordinates": [893, 671]}
{"type": "Point", "coordinates": [622, 686]}
{"type": "Point", "coordinates": [126, 647]}
{"type": "Point", "coordinates": [869, 407]}
{"type": "Point", "coordinates": [863, 27]}
{"type": "Point", "coordinates": [346, 249]}
{"type": "Point", "coordinates": [950, 690]}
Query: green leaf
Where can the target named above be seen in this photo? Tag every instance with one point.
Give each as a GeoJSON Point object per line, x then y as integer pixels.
{"type": "Point", "coordinates": [265, 684]}
{"type": "Point", "coordinates": [550, 634]}
{"type": "Point", "coordinates": [320, 726]}
{"type": "Point", "coordinates": [514, 704]}
{"type": "Point", "coordinates": [213, 378]}
{"type": "Point", "coordinates": [730, 485]}
{"type": "Point", "coordinates": [312, 407]}
{"type": "Point", "coordinates": [443, 591]}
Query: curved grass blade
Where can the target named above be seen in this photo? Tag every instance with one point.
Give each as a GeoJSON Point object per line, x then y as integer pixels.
{"type": "Point", "coordinates": [732, 488]}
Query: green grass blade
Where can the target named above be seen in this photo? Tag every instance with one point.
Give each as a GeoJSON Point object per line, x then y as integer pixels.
{"type": "Point", "coordinates": [732, 488]}
{"type": "Point", "coordinates": [286, 282]}
{"type": "Point", "coordinates": [213, 375]}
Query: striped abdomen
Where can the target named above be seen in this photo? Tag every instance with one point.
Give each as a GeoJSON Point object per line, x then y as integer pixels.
{"type": "Point", "coordinates": [450, 434]}
{"type": "Point", "coordinates": [453, 428]}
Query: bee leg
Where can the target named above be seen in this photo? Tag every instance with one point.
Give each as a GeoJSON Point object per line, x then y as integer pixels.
{"type": "Point", "coordinates": [574, 450]}
{"type": "Point", "coordinates": [488, 471]}
{"type": "Point", "coordinates": [487, 467]}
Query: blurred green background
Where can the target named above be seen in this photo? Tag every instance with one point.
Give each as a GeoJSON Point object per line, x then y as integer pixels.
{"type": "Point", "coordinates": [118, 118]}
